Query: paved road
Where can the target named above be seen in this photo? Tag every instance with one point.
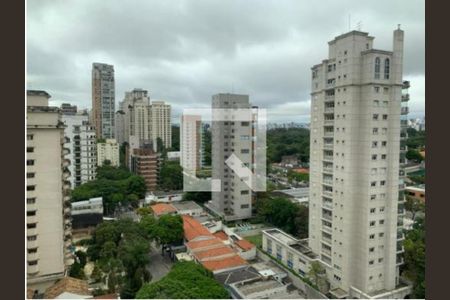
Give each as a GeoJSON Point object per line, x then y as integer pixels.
{"type": "Point", "coordinates": [159, 266]}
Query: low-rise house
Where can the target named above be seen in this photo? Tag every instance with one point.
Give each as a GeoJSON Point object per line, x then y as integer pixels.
{"type": "Point", "coordinates": [88, 213]}
{"type": "Point", "coordinates": [292, 252]}
{"type": "Point", "coordinates": [158, 196]}
{"type": "Point", "coordinates": [68, 288]}
{"type": "Point", "coordinates": [416, 192]}
{"type": "Point", "coordinates": [246, 250]}
{"type": "Point", "coordinates": [160, 209]}
{"type": "Point", "coordinates": [262, 288]}
{"type": "Point", "coordinates": [188, 208]}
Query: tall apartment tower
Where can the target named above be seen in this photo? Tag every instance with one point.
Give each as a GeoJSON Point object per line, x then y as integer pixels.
{"type": "Point", "coordinates": [48, 201]}
{"type": "Point", "coordinates": [191, 143]}
{"type": "Point", "coordinates": [120, 127]}
{"type": "Point", "coordinates": [81, 140]}
{"type": "Point", "coordinates": [108, 151]}
{"type": "Point", "coordinates": [103, 100]}
{"type": "Point", "coordinates": [161, 122]}
{"type": "Point", "coordinates": [354, 180]}
{"type": "Point", "coordinates": [234, 201]}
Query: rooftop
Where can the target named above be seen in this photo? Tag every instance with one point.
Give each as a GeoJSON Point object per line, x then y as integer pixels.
{"type": "Point", "coordinates": [186, 205]}
{"type": "Point", "coordinates": [221, 235]}
{"type": "Point", "coordinates": [244, 245]}
{"type": "Point", "coordinates": [224, 263]}
{"type": "Point", "coordinates": [233, 276]}
{"type": "Point", "coordinates": [193, 228]}
{"type": "Point", "coordinates": [204, 243]}
{"type": "Point", "coordinates": [211, 254]}
{"type": "Point", "coordinates": [353, 32]}
{"type": "Point", "coordinates": [68, 285]}
{"type": "Point", "coordinates": [38, 93]}
{"type": "Point", "coordinates": [162, 208]}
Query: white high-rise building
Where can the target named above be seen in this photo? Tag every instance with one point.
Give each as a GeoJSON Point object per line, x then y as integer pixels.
{"type": "Point", "coordinates": [235, 200]}
{"type": "Point", "coordinates": [161, 123]}
{"type": "Point", "coordinates": [48, 202]}
{"type": "Point", "coordinates": [108, 151]}
{"type": "Point", "coordinates": [191, 143]}
{"type": "Point", "coordinates": [144, 120]}
{"type": "Point", "coordinates": [103, 100]}
{"type": "Point", "coordinates": [80, 139]}
{"type": "Point", "coordinates": [354, 224]}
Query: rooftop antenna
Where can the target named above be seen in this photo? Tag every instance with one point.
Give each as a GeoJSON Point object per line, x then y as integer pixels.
{"type": "Point", "coordinates": [358, 25]}
{"type": "Point", "coordinates": [398, 26]}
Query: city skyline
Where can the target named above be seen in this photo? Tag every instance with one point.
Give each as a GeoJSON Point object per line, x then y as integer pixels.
{"type": "Point", "coordinates": [266, 53]}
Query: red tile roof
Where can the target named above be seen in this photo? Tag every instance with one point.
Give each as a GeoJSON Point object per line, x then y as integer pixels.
{"type": "Point", "coordinates": [162, 208]}
{"type": "Point", "coordinates": [214, 253]}
{"type": "Point", "coordinates": [221, 235]}
{"type": "Point", "coordinates": [225, 263]}
{"type": "Point", "coordinates": [301, 170]}
{"type": "Point", "coordinates": [244, 245]}
{"type": "Point", "coordinates": [193, 228]}
{"type": "Point", "coordinates": [70, 285]}
{"type": "Point", "coordinates": [210, 243]}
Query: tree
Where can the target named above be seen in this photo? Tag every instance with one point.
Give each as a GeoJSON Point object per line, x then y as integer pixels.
{"type": "Point", "coordinates": [316, 274]}
{"type": "Point", "coordinates": [414, 245]}
{"type": "Point", "coordinates": [287, 141]}
{"type": "Point", "coordinates": [82, 257]}
{"type": "Point", "coordinates": [175, 138]}
{"type": "Point", "coordinates": [414, 206]}
{"type": "Point", "coordinates": [76, 271]}
{"type": "Point", "coordinates": [96, 274]}
{"type": "Point", "coordinates": [169, 229]}
{"type": "Point", "coordinates": [171, 176]}
{"type": "Point", "coordinates": [199, 197]}
{"type": "Point", "coordinates": [414, 155]}
{"type": "Point", "coordinates": [186, 280]}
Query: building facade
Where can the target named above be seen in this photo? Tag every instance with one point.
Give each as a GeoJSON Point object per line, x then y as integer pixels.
{"type": "Point", "coordinates": [191, 143]}
{"type": "Point", "coordinates": [48, 203]}
{"type": "Point", "coordinates": [145, 163]}
{"type": "Point", "coordinates": [161, 123]}
{"type": "Point", "coordinates": [103, 100]}
{"type": "Point", "coordinates": [80, 138]}
{"type": "Point", "coordinates": [68, 109]}
{"type": "Point", "coordinates": [120, 127]}
{"type": "Point", "coordinates": [355, 150]}
{"type": "Point", "coordinates": [108, 150]}
{"type": "Point", "coordinates": [235, 199]}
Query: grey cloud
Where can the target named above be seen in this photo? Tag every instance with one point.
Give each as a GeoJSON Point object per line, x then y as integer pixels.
{"type": "Point", "coordinates": [185, 51]}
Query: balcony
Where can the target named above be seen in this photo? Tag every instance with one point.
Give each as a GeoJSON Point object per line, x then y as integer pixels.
{"type": "Point", "coordinates": [404, 110]}
{"type": "Point", "coordinates": [405, 97]}
{"type": "Point", "coordinates": [328, 134]}
{"type": "Point", "coordinates": [32, 244]}
{"type": "Point", "coordinates": [326, 251]}
{"type": "Point", "coordinates": [328, 181]}
{"type": "Point", "coordinates": [328, 170]}
{"type": "Point", "coordinates": [31, 219]}
{"type": "Point", "coordinates": [31, 231]}
{"type": "Point", "coordinates": [329, 98]}
{"type": "Point", "coordinates": [66, 162]}
{"type": "Point", "coordinates": [400, 261]}
{"type": "Point", "coordinates": [406, 84]}
{"type": "Point", "coordinates": [400, 249]}
{"type": "Point", "coordinates": [328, 146]}
{"type": "Point", "coordinates": [328, 121]}
{"type": "Point", "coordinates": [67, 243]}
{"type": "Point", "coordinates": [329, 109]}
{"type": "Point", "coordinates": [327, 217]}
{"type": "Point", "coordinates": [328, 205]}
{"type": "Point", "coordinates": [34, 269]}
{"type": "Point", "coordinates": [327, 229]}
{"type": "Point", "coordinates": [66, 151]}
{"type": "Point", "coordinates": [328, 158]}
{"type": "Point", "coordinates": [400, 236]}
{"type": "Point", "coordinates": [327, 193]}
{"type": "Point", "coordinates": [32, 256]}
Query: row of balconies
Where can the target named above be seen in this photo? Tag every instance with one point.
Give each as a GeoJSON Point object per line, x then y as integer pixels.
{"type": "Point", "coordinates": [405, 97]}
{"type": "Point", "coordinates": [404, 110]}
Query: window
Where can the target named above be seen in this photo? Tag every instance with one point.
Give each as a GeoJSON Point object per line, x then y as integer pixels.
{"type": "Point", "coordinates": [372, 210]}
{"type": "Point", "coordinates": [384, 130]}
{"type": "Point", "coordinates": [373, 197]}
{"type": "Point", "coordinates": [32, 250]}
{"type": "Point", "coordinates": [377, 68]}
{"type": "Point", "coordinates": [381, 209]}
{"type": "Point", "coordinates": [374, 157]}
{"type": "Point", "coordinates": [374, 144]}
{"type": "Point", "coordinates": [245, 206]}
{"type": "Point", "coordinates": [32, 262]}
{"type": "Point", "coordinates": [382, 182]}
{"type": "Point", "coordinates": [371, 262]}
{"type": "Point", "coordinates": [376, 102]}
{"type": "Point", "coordinates": [380, 260]}
{"type": "Point", "coordinates": [385, 117]}
{"type": "Point", "coordinates": [244, 192]}
{"type": "Point", "coordinates": [381, 234]}
{"type": "Point", "coordinates": [30, 175]}
{"type": "Point", "coordinates": [381, 222]}
{"type": "Point", "coordinates": [372, 236]}
{"type": "Point", "coordinates": [31, 200]}
{"type": "Point", "coordinates": [30, 149]}
{"type": "Point", "coordinates": [372, 223]}
{"type": "Point", "coordinates": [31, 225]}
{"type": "Point", "coordinates": [373, 183]}
{"type": "Point", "coordinates": [375, 131]}
{"type": "Point", "coordinates": [385, 90]}
{"type": "Point", "coordinates": [383, 156]}
{"type": "Point", "coordinates": [31, 187]}
{"type": "Point", "coordinates": [386, 68]}
{"type": "Point", "coordinates": [30, 162]}
{"type": "Point", "coordinates": [371, 249]}
{"type": "Point", "coordinates": [31, 238]}
{"type": "Point", "coordinates": [245, 151]}
{"type": "Point", "coordinates": [245, 123]}
{"type": "Point", "coordinates": [30, 137]}
{"type": "Point", "coordinates": [377, 89]}
{"type": "Point", "coordinates": [375, 117]}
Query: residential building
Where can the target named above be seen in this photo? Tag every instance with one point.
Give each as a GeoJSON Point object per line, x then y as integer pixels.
{"type": "Point", "coordinates": [69, 288]}
{"type": "Point", "coordinates": [145, 162]}
{"type": "Point", "coordinates": [161, 196]}
{"type": "Point", "coordinates": [416, 192]}
{"type": "Point", "coordinates": [48, 194]}
{"type": "Point", "coordinates": [68, 109]}
{"type": "Point", "coordinates": [191, 143]}
{"type": "Point", "coordinates": [103, 100]}
{"type": "Point", "coordinates": [174, 155]}
{"type": "Point", "coordinates": [108, 150]}
{"type": "Point", "coordinates": [144, 119]}
{"type": "Point", "coordinates": [235, 199]}
{"type": "Point", "coordinates": [80, 138]}
{"type": "Point", "coordinates": [263, 288]}
{"type": "Point", "coordinates": [120, 127]}
{"type": "Point", "coordinates": [161, 123]}
{"type": "Point", "coordinates": [87, 213]}
{"type": "Point", "coordinates": [354, 159]}
{"type": "Point", "coordinates": [188, 208]}
{"type": "Point", "coordinates": [160, 209]}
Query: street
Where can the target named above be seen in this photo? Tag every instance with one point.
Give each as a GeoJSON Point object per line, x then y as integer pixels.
{"type": "Point", "coordinates": [159, 266]}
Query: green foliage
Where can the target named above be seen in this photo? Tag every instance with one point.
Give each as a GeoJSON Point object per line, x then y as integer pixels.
{"type": "Point", "coordinates": [171, 176]}
{"type": "Point", "coordinates": [186, 280]}
{"type": "Point", "coordinates": [207, 140]}
{"type": "Point", "coordinates": [292, 175]}
{"type": "Point", "coordinates": [122, 152]}
{"type": "Point", "coordinates": [199, 197]}
{"type": "Point", "coordinates": [414, 245]}
{"type": "Point", "coordinates": [115, 185]}
{"type": "Point", "coordinates": [414, 155]}
{"type": "Point", "coordinates": [175, 138]}
{"type": "Point", "coordinates": [284, 214]}
{"type": "Point", "coordinates": [414, 206]}
{"type": "Point", "coordinates": [168, 229]}
{"type": "Point", "coordinates": [287, 141]}
{"type": "Point", "coordinates": [82, 257]}
{"type": "Point", "coordinates": [255, 240]}
{"type": "Point", "coordinates": [416, 139]}
{"type": "Point", "coordinates": [315, 271]}
{"type": "Point", "coordinates": [76, 271]}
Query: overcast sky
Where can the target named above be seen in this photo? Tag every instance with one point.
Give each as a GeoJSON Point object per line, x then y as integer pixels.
{"type": "Point", "coordinates": [185, 51]}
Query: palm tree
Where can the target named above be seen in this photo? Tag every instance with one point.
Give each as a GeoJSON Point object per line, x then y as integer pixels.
{"type": "Point", "coordinates": [315, 272]}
